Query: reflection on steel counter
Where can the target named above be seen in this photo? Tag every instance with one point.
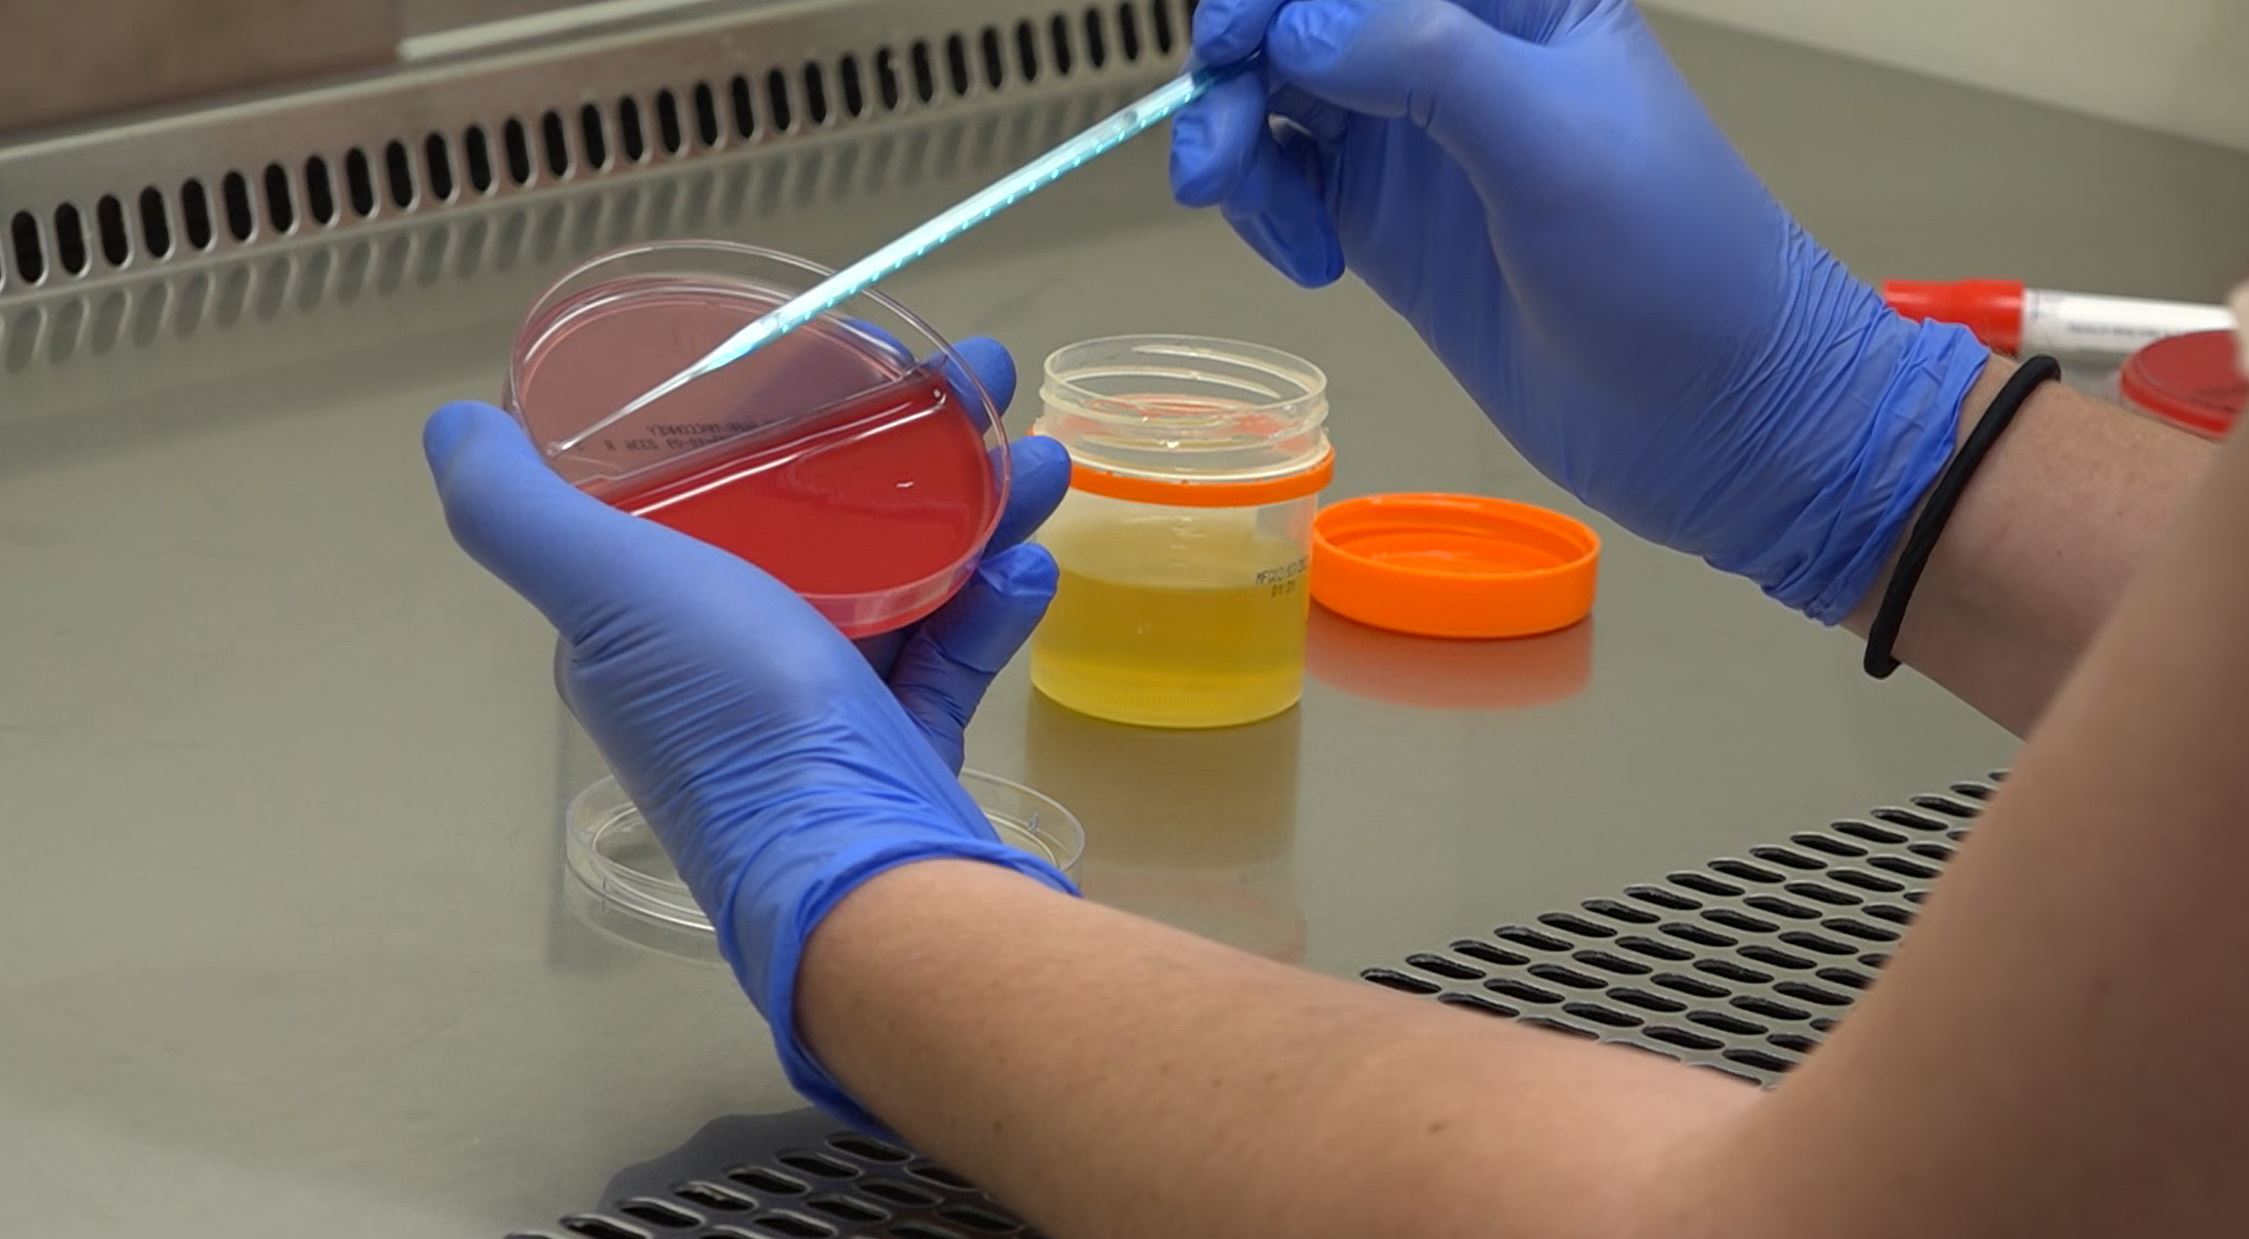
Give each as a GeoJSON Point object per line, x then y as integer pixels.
{"type": "Point", "coordinates": [1439, 674]}
{"type": "Point", "coordinates": [1196, 829]}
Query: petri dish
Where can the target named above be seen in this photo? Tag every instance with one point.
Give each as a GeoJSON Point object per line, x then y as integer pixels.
{"type": "Point", "coordinates": [624, 883]}
{"type": "Point", "coordinates": [1028, 820]}
{"type": "Point", "coordinates": [2193, 381]}
{"type": "Point", "coordinates": [856, 459]}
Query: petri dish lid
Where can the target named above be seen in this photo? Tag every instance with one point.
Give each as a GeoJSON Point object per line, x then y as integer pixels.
{"type": "Point", "coordinates": [625, 883]}
{"type": "Point", "coordinates": [2193, 381]}
{"type": "Point", "coordinates": [856, 459]}
{"type": "Point", "coordinates": [1462, 566]}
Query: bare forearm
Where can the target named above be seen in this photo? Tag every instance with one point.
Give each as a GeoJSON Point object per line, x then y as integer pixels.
{"type": "Point", "coordinates": [2040, 547]}
{"type": "Point", "coordinates": [2051, 1030]}
{"type": "Point", "coordinates": [2056, 1051]}
{"type": "Point", "coordinates": [1112, 1077]}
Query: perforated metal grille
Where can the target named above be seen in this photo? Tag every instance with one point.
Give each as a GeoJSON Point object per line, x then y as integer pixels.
{"type": "Point", "coordinates": [1741, 966]}
{"type": "Point", "coordinates": [422, 141]}
{"type": "Point", "coordinates": [844, 1185]}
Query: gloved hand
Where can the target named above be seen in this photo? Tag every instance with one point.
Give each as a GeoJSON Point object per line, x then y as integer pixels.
{"type": "Point", "coordinates": [1532, 185]}
{"type": "Point", "coordinates": [779, 768]}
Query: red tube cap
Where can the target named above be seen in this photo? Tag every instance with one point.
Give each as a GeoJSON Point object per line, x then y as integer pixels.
{"type": "Point", "coordinates": [1993, 309]}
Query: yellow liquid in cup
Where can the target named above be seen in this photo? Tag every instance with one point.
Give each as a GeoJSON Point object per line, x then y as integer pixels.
{"type": "Point", "coordinates": [1157, 629]}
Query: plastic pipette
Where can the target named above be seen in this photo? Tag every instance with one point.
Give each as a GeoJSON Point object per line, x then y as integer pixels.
{"type": "Point", "coordinates": [1134, 120]}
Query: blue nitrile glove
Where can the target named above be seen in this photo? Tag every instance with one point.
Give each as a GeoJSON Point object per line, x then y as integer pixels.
{"type": "Point", "coordinates": [778, 766]}
{"type": "Point", "coordinates": [1532, 185]}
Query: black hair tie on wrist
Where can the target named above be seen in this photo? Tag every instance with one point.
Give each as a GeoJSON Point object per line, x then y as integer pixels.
{"type": "Point", "coordinates": [1943, 498]}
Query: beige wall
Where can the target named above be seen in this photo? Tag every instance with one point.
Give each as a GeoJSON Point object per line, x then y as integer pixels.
{"type": "Point", "coordinates": [2177, 65]}
{"type": "Point", "coordinates": [94, 57]}
{"type": "Point", "coordinates": [2181, 66]}
{"type": "Point", "coordinates": [429, 16]}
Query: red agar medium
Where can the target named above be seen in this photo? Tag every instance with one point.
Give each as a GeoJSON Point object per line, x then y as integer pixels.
{"type": "Point", "coordinates": [857, 477]}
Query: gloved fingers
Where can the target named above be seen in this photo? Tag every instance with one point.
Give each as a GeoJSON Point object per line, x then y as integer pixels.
{"type": "Point", "coordinates": [1326, 122]}
{"type": "Point", "coordinates": [1545, 21]}
{"type": "Point", "coordinates": [1041, 476]}
{"type": "Point", "coordinates": [994, 369]}
{"type": "Point", "coordinates": [556, 546]}
{"type": "Point", "coordinates": [1228, 30]}
{"type": "Point", "coordinates": [1280, 210]}
{"type": "Point", "coordinates": [947, 664]}
{"type": "Point", "coordinates": [1215, 141]}
{"type": "Point", "coordinates": [1428, 61]}
{"type": "Point", "coordinates": [1226, 151]}
{"type": "Point", "coordinates": [882, 338]}
{"type": "Point", "coordinates": [881, 650]}
{"type": "Point", "coordinates": [980, 364]}
{"type": "Point", "coordinates": [983, 626]}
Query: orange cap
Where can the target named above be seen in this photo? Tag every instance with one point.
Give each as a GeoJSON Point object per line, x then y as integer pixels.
{"type": "Point", "coordinates": [1453, 565]}
{"type": "Point", "coordinates": [1191, 492]}
{"type": "Point", "coordinates": [1993, 309]}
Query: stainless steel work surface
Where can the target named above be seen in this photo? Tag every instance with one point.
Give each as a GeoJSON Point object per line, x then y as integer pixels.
{"type": "Point", "coordinates": [285, 943]}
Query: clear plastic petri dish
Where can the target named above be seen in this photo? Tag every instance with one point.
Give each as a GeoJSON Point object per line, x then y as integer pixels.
{"type": "Point", "coordinates": [626, 885]}
{"type": "Point", "coordinates": [1028, 820]}
{"type": "Point", "coordinates": [856, 459]}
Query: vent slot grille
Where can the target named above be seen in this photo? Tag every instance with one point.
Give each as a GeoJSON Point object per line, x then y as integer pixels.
{"type": "Point", "coordinates": [854, 1186]}
{"type": "Point", "coordinates": [945, 157]}
{"type": "Point", "coordinates": [1762, 993]}
{"type": "Point", "coordinates": [859, 63]}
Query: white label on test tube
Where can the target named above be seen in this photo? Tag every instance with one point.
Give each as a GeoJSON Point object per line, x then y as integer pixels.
{"type": "Point", "coordinates": [2086, 323]}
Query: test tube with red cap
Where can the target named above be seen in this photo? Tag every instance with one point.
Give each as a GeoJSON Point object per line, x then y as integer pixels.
{"type": "Point", "coordinates": [2013, 318]}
